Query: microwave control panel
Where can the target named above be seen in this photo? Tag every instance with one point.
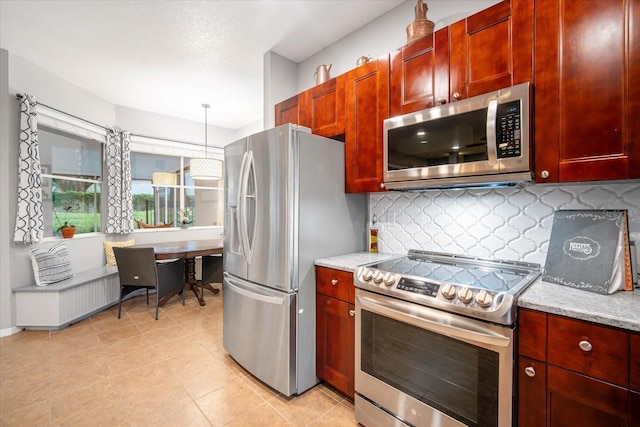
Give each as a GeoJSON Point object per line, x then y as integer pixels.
{"type": "Point", "coordinates": [509, 133]}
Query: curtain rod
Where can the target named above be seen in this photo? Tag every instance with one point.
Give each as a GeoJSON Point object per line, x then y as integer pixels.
{"type": "Point", "coordinates": [19, 96]}
{"type": "Point", "coordinates": [168, 140]}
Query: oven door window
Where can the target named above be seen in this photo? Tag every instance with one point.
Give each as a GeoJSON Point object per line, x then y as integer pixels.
{"type": "Point", "coordinates": [456, 378]}
{"type": "Point", "coordinates": [451, 140]}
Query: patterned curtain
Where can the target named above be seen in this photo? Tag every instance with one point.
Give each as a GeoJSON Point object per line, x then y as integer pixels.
{"type": "Point", "coordinates": [29, 218]}
{"type": "Point", "coordinates": [118, 168]}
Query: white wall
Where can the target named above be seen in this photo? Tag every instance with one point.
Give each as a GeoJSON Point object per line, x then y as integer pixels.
{"type": "Point", "coordinates": [382, 36]}
{"type": "Point", "coordinates": [249, 129]}
{"type": "Point", "coordinates": [155, 125]}
{"type": "Point", "coordinates": [56, 92]}
{"type": "Point", "coordinates": [284, 79]}
{"type": "Point", "coordinates": [280, 76]}
{"type": "Point", "coordinates": [5, 184]}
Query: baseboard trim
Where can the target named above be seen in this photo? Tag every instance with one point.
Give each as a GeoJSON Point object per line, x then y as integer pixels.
{"type": "Point", "coordinates": [9, 331]}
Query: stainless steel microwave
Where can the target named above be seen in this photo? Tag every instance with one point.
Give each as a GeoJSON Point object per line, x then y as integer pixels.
{"type": "Point", "coordinates": [481, 140]}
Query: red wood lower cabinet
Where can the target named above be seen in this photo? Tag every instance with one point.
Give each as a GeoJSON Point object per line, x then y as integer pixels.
{"type": "Point", "coordinates": [335, 343]}
{"type": "Point", "coordinates": [634, 409]}
{"type": "Point", "coordinates": [577, 400]}
{"type": "Point", "coordinates": [576, 373]}
{"type": "Point", "coordinates": [532, 392]}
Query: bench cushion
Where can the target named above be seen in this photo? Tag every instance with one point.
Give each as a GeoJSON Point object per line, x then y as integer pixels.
{"type": "Point", "coordinates": [76, 280]}
{"type": "Point", "coordinates": [51, 265]}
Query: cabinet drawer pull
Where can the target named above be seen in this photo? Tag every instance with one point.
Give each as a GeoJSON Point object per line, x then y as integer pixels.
{"type": "Point", "coordinates": [530, 371]}
{"type": "Point", "coordinates": [352, 313]}
{"type": "Point", "coordinates": [334, 282]}
{"type": "Point", "coordinates": [585, 346]}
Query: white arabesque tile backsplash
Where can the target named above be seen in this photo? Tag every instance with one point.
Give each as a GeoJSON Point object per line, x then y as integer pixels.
{"type": "Point", "coordinates": [508, 223]}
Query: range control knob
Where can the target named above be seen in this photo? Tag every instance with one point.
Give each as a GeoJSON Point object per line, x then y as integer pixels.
{"type": "Point", "coordinates": [378, 276]}
{"type": "Point", "coordinates": [465, 295]}
{"type": "Point", "coordinates": [367, 274]}
{"type": "Point", "coordinates": [389, 279]}
{"type": "Point", "coordinates": [484, 299]}
{"type": "Point", "coordinates": [448, 291]}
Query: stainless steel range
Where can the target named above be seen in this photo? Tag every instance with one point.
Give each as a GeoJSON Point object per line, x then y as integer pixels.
{"type": "Point", "coordinates": [435, 340]}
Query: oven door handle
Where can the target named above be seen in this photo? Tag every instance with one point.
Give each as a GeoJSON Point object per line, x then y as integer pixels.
{"type": "Point", "coordinates": [457, 327]}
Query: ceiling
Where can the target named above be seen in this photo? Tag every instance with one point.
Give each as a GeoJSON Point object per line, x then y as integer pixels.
{"type": "Point", "coordinates": [169, 57]}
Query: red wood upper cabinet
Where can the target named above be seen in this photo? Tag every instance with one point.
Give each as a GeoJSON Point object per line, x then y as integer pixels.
{"type": "Point", "coordinates": [492, 49]}
{"type": "Point", "coordinates": [322, 107]}
{"type": "Point", "coordinates": [367, 94]}
{"type": "Point", "coordinates": [287, 112]}
{"type": "Point", "coordinates": [420, 74]}
{"type": "Point", "coordinates": [587, 96]}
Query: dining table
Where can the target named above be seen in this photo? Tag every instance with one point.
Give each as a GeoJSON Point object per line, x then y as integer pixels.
{"type": "Point", "coordinates": [189, 250]}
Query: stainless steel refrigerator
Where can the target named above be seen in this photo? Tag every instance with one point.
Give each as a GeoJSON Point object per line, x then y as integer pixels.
{"type": "Point", "coordinates": [285, 208]}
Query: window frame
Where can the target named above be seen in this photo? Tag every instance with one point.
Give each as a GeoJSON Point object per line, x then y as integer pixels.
{"type": "Point", "coordinates": [66, 123]}
{"type": "Point", "coordinates": [182, 150]}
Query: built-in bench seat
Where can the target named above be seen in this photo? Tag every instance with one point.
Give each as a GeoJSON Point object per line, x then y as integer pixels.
{"type": "Point", "coordinates": [60, 304]}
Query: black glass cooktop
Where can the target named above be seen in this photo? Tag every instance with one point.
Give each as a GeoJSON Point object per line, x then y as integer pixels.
{"type": "Point", "coordinates": [497, 279]}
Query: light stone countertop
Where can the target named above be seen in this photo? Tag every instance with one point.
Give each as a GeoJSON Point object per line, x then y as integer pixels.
{"type": "Point", "coordinates": [620, 309]}
{"type": "Point", "coordinates": [350, 262]}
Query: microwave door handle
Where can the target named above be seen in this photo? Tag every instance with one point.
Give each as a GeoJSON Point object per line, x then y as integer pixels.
{"type": "Point", "coordinates": [492, 140]}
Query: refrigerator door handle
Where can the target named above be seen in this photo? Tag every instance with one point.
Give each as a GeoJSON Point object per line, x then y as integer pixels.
{"type": "Point", "coordinates": [251, 174]}
{"type": "Point", "coordinates": [240, 207]}
{"type": "Point", "coordinates": [263, 298]}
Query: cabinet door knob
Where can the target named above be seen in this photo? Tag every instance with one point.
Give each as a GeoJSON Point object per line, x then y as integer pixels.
{"type": "Point", "coordinates": [530, 371]}
{"type": "Point", "coordinates": [585, 346]}
{"type": "Point", "coordinates": [442, 101]}
{"type": "Point", "coordinates": [382, 185]}
{"type": "Point", "coordinates": [352, 313]}
{"type": "Point", "coordinates": [456, 95]}
{"type": "Point", "coordinates": [544, 174]}
{"type": "Point", "coordinates": [334, 282]}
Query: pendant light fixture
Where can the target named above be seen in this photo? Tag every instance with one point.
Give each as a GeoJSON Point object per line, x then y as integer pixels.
{"type": "Point", "coordinates": [204, 167]}
{"type": "Point", "coordinates": [163, 179]}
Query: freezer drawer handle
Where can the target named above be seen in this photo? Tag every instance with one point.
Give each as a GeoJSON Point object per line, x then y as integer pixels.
{"type": "Point", "coordinates": [264, 298]}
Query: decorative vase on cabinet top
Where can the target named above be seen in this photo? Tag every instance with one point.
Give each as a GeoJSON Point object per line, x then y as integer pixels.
{"type": "Point", "coordinates": [322, 73]}
{"type": "Point", "coordinates": [421, 26]}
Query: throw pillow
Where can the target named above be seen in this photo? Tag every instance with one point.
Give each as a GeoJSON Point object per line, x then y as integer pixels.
{"type": "Point", "coordinates": [108, 249]}
{"type": "Point", "coordinates": [51, 265]}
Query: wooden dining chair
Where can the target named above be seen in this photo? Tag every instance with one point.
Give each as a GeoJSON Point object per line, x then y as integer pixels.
{"type": "Point", "coordinates": [138, 269]}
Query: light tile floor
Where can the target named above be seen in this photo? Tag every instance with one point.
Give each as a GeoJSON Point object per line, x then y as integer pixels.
{"type": "Point", "coordinates": [136, 371]}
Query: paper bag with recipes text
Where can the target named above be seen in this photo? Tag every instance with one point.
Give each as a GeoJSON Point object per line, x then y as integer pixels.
{"type": "Point", "coordinates": [589, 250]}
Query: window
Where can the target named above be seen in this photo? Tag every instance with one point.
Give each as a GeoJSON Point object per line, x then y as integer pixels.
{"type": "Point", "coordinates": [205, 198]}
{"type": "Point", "coordinates": [71, 177]}
{"type": "Point", "coordinates": [158, 205]}
{"type": "Point", "coordinates": [71, 158]}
